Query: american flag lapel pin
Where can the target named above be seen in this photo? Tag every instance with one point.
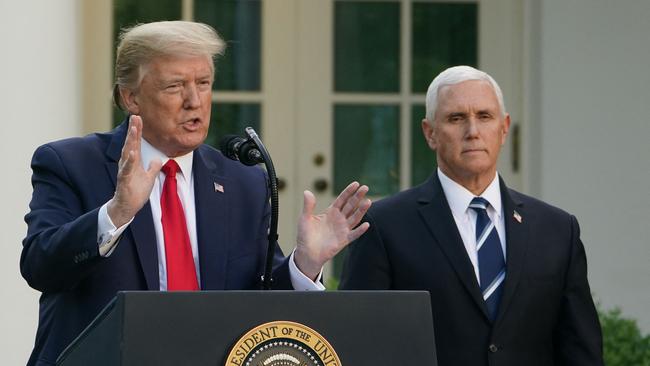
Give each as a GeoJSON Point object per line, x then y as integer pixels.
{"type": "Point", "coordinates": [517, 216]}
{"type": "Point", "coordinates": [218, 187]}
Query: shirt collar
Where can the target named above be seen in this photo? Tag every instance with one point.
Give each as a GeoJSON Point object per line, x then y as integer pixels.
{"type": "Point", "coordinates": [149, 153]}
{"type": "Point", "coordinates": [459, 197]}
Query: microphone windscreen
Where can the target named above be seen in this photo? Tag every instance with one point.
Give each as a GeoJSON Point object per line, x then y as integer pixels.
{"type": "Point", "coordinates": [227, 146]}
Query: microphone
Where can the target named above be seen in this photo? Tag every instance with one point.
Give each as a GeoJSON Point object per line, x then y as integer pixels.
{"type": "Point", "coordinates": [243, 150]}
{"type": "Point", "coordinates": [251, 151]}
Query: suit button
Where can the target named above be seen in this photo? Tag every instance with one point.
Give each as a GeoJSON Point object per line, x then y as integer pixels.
{"type": "Point", "coordinates": [493, 348]}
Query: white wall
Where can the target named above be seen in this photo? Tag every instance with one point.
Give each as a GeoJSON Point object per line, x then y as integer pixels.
{"type": "Point", "coordinates": [39, 100]}
{"type": "Point", "coordinates": [593, 88]}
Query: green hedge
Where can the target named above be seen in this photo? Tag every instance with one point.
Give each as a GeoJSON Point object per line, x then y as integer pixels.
{"type": "Point", "coordinates": [623, 343]}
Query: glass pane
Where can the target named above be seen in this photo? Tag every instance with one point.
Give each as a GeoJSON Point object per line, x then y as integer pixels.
{"type": "Point", "coordinates": [423, 159]}
{"type": "Point", "coordinates": [232, 118]}
{"type": "Point", "coordinates": [332, 283]}
{"type": "Point", "coordinates": [366, 46]}
{"type": "Point", "coordinates": [239, 24]}
{"type": "Point", "coordinates": [130, 12]}
{"type": "Point", "coordinates": [366, 147]}
{"type": "Point", "coordinates": [119, 116]}
{"type": "Point", "coordinates": [444, 35]}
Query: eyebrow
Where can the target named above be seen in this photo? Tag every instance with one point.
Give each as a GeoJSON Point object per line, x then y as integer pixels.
{"type": "Point", "coordinates": [457, 114]}
{"type": "Point", "coordinates": [485, 111]}
{"type": "Point", "coordinates": [180, 79]}
{"type": "Point", "coordinates": [172, 80]}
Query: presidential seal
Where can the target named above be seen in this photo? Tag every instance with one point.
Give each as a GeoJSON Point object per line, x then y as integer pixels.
{"type": "Point", "coordinates": [282, 343]}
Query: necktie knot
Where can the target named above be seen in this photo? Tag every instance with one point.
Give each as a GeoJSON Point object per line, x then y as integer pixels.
{"type": "Point", "coordinates": [479, 203]}
{"type": "Point", "coordinates": [170, 168]}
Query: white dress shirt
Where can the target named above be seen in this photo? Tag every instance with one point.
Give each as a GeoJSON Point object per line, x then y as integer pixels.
{"type": "Point", "coordinates": [459, 199]}
{"type": "Point", "coordinates": [108, 235]}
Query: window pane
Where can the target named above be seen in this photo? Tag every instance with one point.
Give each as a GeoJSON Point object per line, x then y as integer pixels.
{"type": "Point", "coordinates": [232, 118]}
{"type": "Point", "coordinates": [366, 147]}
{"type": "Point", "coordinates": [366, 46]}
{"type": "Point", "coordinates": [423, 159]}
{"type": "Point", "coordinates": [130, 12]}
{"type": "Point", "coordinates": [337, 270]}
{"type": "Point", "coordinates": [119, 116]}
{"type": "Point", "coordinates": [239, 24]}
{"type": "Point", "coordinates": [444, 35]}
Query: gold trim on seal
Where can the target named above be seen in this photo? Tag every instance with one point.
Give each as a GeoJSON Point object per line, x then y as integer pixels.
{"type": "Point", "coordinates": [248, 346]}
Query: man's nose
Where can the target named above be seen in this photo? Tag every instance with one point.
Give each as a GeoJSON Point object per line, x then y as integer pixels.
{"type": "Point", "coordinates": [472, 127]}
{"type": "Point", "coordinates": [191, 97]}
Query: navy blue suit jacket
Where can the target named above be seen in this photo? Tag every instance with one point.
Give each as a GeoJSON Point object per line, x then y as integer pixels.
{"type": "Point", "coordinates": [73, 178]}
{"type": "Point", "coordinates": [546, 315]}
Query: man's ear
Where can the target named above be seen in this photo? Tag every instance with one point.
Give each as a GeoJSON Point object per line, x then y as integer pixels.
{"type": "Point", "coordinates": [429, 134]}
{"type": "Point", "coordinates": [506, 128]}
{"type": "Point", "coordinates": [129, 100]}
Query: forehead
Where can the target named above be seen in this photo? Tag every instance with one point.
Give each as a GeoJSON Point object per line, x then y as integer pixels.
{"type": "Point", "coordinates": [171, 67]}
{"type": "Point", "coordinates": [471, 95]}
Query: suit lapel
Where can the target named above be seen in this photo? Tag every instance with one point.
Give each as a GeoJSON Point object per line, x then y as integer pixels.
{"type": "Point", "coordinates": [144, 236]}
{"type": "Point", "coordinates": [517, 225]}
{"type": "Point", "coordinates": [436, 214]}
{"type": "Point", "coordinates": [212, 221]}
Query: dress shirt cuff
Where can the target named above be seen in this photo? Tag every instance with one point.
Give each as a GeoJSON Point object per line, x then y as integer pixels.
{"type": "Point", "coordinates": [300, 282]}
{"type": "Point", "coordinates": [107, 234]}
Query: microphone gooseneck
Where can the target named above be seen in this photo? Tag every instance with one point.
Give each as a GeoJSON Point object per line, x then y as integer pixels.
{"type": "Point", "coordinates": [251, 151]}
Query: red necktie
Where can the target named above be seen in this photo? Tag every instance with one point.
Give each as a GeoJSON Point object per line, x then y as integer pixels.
{"type": "Point", "coordinates": [181, 274]}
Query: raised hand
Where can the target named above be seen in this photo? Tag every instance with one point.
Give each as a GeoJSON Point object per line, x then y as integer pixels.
{"type": "Point", "coordinates": [322, 236]}
{"type": "Point", "coordinates": [134, 183]}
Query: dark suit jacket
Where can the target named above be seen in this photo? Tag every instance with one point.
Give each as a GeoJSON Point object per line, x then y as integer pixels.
{"type": "Point", "coordinates": [546, 315]}
{"type": "Point", "coordinates": [73, 178]}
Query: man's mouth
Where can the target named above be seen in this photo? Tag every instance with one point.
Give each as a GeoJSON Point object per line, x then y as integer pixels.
{"type": "Point", "coordinates": [475, 150]}
{"type": "Point", "coordinates": [192, 124]}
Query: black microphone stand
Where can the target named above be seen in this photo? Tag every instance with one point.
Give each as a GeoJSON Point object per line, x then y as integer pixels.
{"type": "Point", "coordinates": [273, 228]}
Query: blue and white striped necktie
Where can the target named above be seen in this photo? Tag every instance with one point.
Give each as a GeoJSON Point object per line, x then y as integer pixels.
{"type": "Point", "coordinates": [491, 262]}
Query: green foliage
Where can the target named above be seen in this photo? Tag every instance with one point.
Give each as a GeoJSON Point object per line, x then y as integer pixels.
{"type": "Point", "coordinates": [332, 284]}
{"type": "Point", "coordinates": [623, 343]}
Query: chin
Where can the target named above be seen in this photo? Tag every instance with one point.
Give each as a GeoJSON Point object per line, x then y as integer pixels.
{"type": "Point", "coordinates": [194, 139]}
{"type": "Point", "coordinates": [192, 147]}
{"type": "Point", "coordinates": [476, 168]}
{"type": "Point", "coordinates": [186, 147]}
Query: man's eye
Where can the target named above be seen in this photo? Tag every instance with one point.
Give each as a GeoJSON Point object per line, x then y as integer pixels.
{"type": "Point", "coordinates": [485, 116]}
{"type": "Point", "coordinates": [205, 84]}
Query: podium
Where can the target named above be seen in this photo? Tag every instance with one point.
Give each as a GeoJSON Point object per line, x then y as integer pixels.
{"type": "Point", "coordinates": [201, 328]}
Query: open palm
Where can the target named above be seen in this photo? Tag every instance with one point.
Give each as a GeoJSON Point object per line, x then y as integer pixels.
{"type": "Point", "coordinates": [322, 236]}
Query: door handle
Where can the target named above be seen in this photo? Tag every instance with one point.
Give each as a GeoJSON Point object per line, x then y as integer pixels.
{"type": "Point", "coordinates": [282, 184]}
{"type": "Point", "coordinates": [320, 185]}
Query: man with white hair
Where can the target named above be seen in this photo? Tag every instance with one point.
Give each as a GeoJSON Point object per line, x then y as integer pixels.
{"type": "Point", "coordinates": [507, 273]}
{"type": "Point", "coordinates": [148, 206]}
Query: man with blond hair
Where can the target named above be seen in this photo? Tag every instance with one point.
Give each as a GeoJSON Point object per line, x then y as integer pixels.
{"type": "Point", "coordinates": [507, 273]}
{"type": "Point", "coordinates": [148, 206]}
